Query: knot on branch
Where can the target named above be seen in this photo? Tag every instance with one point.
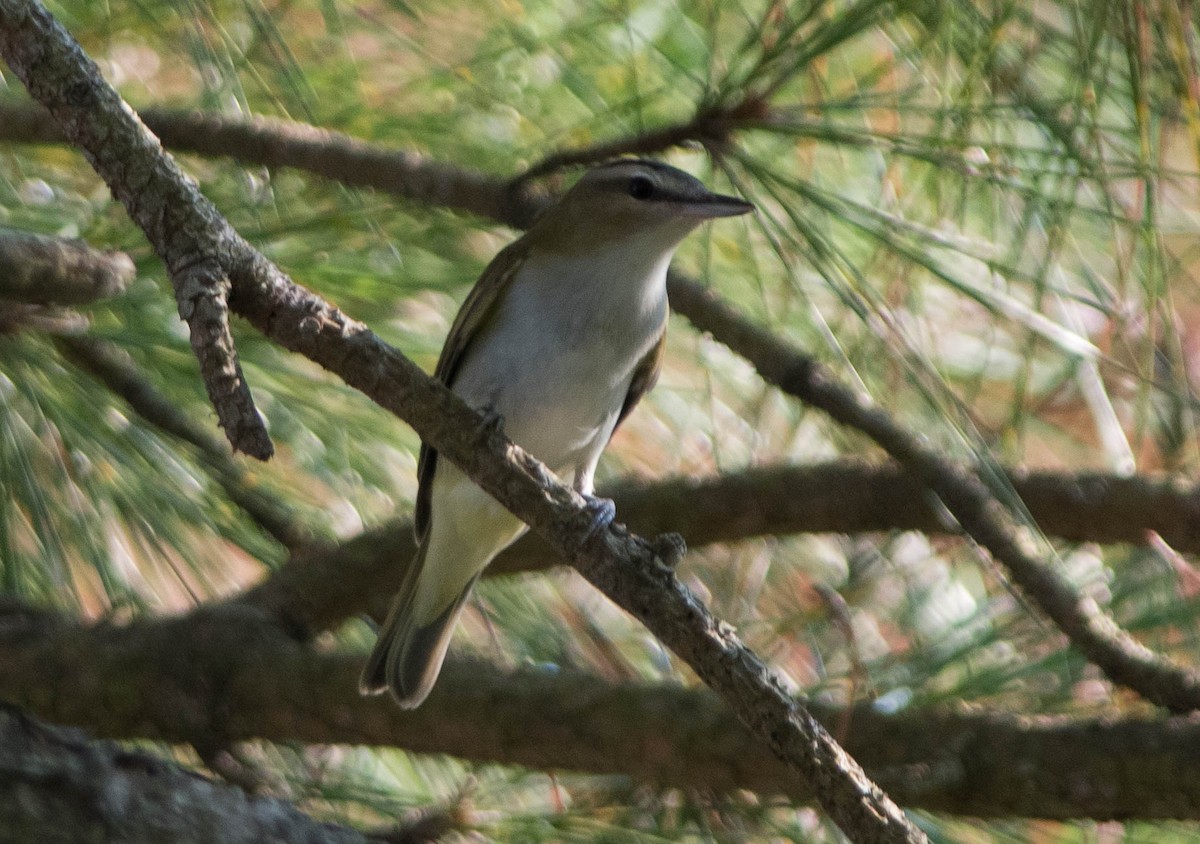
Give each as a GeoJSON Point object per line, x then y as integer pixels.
{"type": "Point", "coordinates": [669, 548]}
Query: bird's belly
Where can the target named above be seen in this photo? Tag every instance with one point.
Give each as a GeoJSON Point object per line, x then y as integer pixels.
{"type": "Point", "coordinates": [562, 406]}
{"type": "Point", "coordinates": [559, 399]}
{"type": "Point", "coordinates": [558, 357]}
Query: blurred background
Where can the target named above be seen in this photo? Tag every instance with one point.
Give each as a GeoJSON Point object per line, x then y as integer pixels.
{"type": "Point", "coordinates": [982, 214]}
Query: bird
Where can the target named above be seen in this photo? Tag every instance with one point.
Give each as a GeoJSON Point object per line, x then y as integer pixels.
{"type": "Point", "coordinates": [559, 339]}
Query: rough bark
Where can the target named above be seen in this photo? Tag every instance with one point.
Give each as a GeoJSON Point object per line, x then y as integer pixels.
{"type": "Point", "coordinates": [161, 200]}
{"type": "Point", "coordinates": [56, 785]}
{"type": "Point", "coordinates": [960, 490]}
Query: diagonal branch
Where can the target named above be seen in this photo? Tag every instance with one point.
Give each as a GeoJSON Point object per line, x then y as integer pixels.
{"type": "Point", "coordinates": [967, 498]}
{"type": "Point", "coordinates": [981, 516]}
{"type": "Point", "coordinates": [625, 567]}
{"type": "Point", "coordinates": [156, 195]}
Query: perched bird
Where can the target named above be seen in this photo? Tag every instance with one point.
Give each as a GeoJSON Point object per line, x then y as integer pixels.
{"type": "Point", "coordinates": [561, 336]}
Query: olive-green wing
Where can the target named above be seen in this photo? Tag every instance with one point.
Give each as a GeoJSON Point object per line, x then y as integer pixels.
{"type": "Point", "coordinates": [476, 311]}
{"type": "Point", "coordinates": [645, 376]}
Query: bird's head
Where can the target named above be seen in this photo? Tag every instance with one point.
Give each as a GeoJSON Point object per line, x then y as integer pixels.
{"type": "Point", "coordinates": [645, 204]}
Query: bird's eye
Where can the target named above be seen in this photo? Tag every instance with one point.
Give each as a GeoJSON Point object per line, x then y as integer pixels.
{"type": "Point", "coordinates": [641, 188]}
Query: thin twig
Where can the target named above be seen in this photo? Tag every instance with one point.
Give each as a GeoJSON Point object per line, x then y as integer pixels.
{"type": "Point", "coordinates": [709, 128]}
{"type": "Point", "coordinates": [117, 371]}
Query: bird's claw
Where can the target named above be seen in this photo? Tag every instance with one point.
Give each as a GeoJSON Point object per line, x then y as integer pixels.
{"type": "Point", "coordinates": [493, 420]}
{"type": "Point", "coordinates": [602, 512]}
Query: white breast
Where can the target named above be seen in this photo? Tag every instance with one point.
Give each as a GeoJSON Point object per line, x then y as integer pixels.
{"type": "Point", "coordinates": [558, 358]}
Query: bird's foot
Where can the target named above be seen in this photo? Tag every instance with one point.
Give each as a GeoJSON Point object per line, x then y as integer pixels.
{"type": "Point", "coordinates": [493, 420]}
{"type": "Point", "coordinates": [602, 512]}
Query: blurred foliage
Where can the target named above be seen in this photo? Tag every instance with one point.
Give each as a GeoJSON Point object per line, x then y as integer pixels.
{"type": "Point", "coordinates": [984, 213]}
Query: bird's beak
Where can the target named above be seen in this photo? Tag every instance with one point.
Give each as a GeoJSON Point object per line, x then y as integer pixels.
{"type": "Point", "coordinates": [716, 205]}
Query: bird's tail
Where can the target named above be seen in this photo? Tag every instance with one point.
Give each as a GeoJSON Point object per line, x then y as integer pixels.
{"type": "Point", "coordinates": [408, 655]}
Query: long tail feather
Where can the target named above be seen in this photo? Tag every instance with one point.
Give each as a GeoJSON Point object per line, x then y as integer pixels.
{"type": "Point", "coordinates": [408, 656]}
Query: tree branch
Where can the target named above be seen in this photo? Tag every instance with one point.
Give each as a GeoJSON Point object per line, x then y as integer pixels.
{"type": "Point", "coordinates": [282, 143]}
{"type": "Point", "coordinates": [202, 293]}
{"type": "Point", "coordinates": [56, 785]}
{"type": "Point", "coordinates": [57, 271]}
{"type": "Point", "coordinates": [710, 127]}
{"type": "Point", "coordinates": [322, 586]}
{"type": "Point", "coordinates": [110, 365]}
{"type": "Point", "coordinates": [182, 225]}
{"type": "Point", "coordinates": [222, 675]}
{"type": "Point", "coordinates": [981, 516]}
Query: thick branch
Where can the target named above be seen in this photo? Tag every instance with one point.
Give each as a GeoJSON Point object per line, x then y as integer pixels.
{"type": "Point", "coordinates": [322, 586]}
{"type": "Point", "coordinates": [625, 567]}
{"type": "Point", "coordinates": [222, 676]}
{"type": "Point", "coordinates": [965, 496]}
{"type": "Point", "coordinates": [56, 271]}
{"type": "Point", "coordinates": [58, 786]}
